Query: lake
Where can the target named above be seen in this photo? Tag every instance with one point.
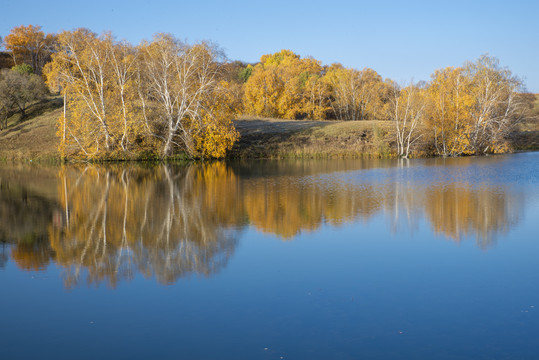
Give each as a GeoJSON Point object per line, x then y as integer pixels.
{"type": "Point", "coordinates": [312, 259]}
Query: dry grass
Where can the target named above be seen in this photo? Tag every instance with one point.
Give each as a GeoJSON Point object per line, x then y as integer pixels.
{"type": "Point", "coordinates": [32, 138]}
{"type": "Point", "coordinates": [527, 135]}
{"type": "Point", "coordinates": [275, 139]}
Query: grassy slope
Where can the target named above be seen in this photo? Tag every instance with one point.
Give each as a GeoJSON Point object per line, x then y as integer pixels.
{"type": "Point", "coordinates": [527, 138]}
{"type": "Point", "coordinates": [272, 138]}
{"type": "Point", "coordinates": [34, 137]}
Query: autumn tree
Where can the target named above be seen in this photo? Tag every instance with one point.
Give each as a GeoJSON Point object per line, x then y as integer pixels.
{"type": "Point", "coordinates": [452, 101]}
{"type": "Point", "coordinates": [123, 61]}
{"type": "Point", "coordinates": [82, 68]}
{"type": "Point", "coordinates": [474, 108]}
{"type": "Point", "coordinates": [355, 95]}
{"type": "Point", "coordinates": [284, 85]}
{"type": "Point", "coordinates": [159, 98]}
{"type": "Point", "coordinates": [30, 45]}
{"type": "Point", "coordinates": [236, 74]}
{"type": "Point", "coordinates": [497, 107]}
{"type": "Point", "coordinates": [407, 110]}
{"type": "Point", "coordinates": [316, 94]}
{"type": "Point", "coordinates": [184, 98]}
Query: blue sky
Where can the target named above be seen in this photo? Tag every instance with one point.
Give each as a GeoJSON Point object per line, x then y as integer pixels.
{"type": "Point", "coordinates": [402, 40]}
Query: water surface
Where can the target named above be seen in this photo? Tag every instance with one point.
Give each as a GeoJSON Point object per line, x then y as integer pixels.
{"type": "Point", "coordinates": [336, 259]}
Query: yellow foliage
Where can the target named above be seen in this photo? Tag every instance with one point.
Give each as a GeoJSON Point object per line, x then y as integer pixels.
{"type": "Point", "coordinates": [160, 98]}
{"type": "Point", "coordinates": [473, 108]}
{"type": "Point", "coordinates": [30, 45]}
{"type": "Point", "coordinates": [284, 85]}
{"type": "Point", "coordinates": [356, 95]}
{"type": "Point", "coordinates": [451, 106]}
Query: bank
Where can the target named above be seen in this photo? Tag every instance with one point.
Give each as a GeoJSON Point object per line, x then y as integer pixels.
{"type": "Point", "coordinates": [33, 138]}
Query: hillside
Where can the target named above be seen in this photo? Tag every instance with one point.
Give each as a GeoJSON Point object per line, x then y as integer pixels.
{"type": "Point", "coordinates": [34, 137]}
{"type": "Point", "coordinates": [527, 138]}
{"type": "Point", "coordinates": [274, 138]}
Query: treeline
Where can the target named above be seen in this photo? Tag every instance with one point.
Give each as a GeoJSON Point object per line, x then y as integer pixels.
{"type": "Point", "coordinates": [166, 97]}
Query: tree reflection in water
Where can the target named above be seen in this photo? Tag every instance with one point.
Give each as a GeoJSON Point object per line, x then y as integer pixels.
{"type": "Point", "coordinates": [3, 255]}
{"type": "Point", "coordinates": [159, 222]}
{"type": "Point", "coordinates": [104, 224]}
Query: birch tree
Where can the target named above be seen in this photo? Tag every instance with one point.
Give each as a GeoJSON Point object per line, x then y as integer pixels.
{"type": "Point", "coordinates": [355, 95]}
{"type": "Point", "coordinates": [122, 57]}
{"type": "Point", "coordinates": [474, 108]}
{"type": "Point", "coordinates": [450, 94]}
{"type": "Point", "coordinates": [497, 107]}
{"type": "Point", "coordinates": [407, 111]}
{"type": "Point", "coordinates": [181, 83]}
{"type": "Point", "coordinates": [81, 66]}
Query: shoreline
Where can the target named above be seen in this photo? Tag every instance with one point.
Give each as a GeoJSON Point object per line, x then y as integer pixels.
{"type": "Point", "coordinates": [34, 139]}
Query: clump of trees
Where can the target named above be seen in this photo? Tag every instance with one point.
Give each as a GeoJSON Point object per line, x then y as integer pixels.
{"type": "Point", "coordinates": [159, 98]}
{"type": "Point", "coordinates": [286, 86]}
{"type": "Point", "coordinates": [29, 45]}
{"type": "Point", "coordinates": [474, 107]}
{"type": "Point", "coordinates": [466, 110]}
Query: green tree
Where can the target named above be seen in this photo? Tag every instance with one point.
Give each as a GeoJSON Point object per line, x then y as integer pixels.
{"type": "Point", "coordinates": [17, 91]}
{"type": "Point", "coordinates": [245, 73]}
{"type": "Point", "coordinates": [23, 69]}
